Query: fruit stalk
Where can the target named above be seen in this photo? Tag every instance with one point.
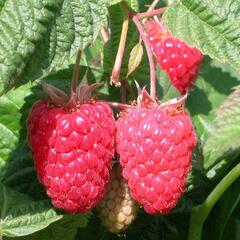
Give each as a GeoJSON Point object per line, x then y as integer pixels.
{"type": "Point", "coordinates": [151, 13]}
{"type": "Point", "coordinates": [119, 105]}
{"type": "Point", "coordinates": [124, 91]}
{"type": "Point", "coordinates": [200, 213]}
{"type": "Point", "coordinates": [76, 72]}
{"type": "Point", "coordinates": [119, 58]}
{"type": "Point", "coordinates": [149, 53]}
{"type": "Point", "coordinates": [153, 5]}
{"type": "Point", "coordinates": [105, 34]}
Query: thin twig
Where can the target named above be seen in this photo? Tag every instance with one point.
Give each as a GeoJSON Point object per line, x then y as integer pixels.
{"type": "Point", "coordinates": [119, 58]}
{"type": "Point", "coordinates": [76, 71]}
{"type": "Point", "coordinates": [119, 105]}
{"type": "Point", "coordinates": [151, 13]}
{"type": "Point", "coordinates": [149, 53]}
{"type": "Point", "coordinates": [124, 91]}
{"type": "Point", "coordinates": [130, 91]}
{"type": "Point", "coordinates": [153, 5]}
{"type": "Point", "coordinates": [105, 34]}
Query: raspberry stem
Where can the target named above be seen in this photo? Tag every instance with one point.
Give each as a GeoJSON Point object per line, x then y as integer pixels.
{"type": "Point", "coordinates": [76, 72]}
{"type": "Point", "coordinates": [105, 34]}
{"type": "Point", "coordinates": [200, 213]}
{"type": "Point", "coordinates": [119, 105]}
{"type": "Point", "coordinates": [153, 5]}
{"type": "Point", "coordinates": [124, 91]}
{"type": "Point", "coordinates": [119, 58]}
{"type": "Point", "coordinates": [149, 53]}
{"type": "Point", "coordinates": [151, 13]}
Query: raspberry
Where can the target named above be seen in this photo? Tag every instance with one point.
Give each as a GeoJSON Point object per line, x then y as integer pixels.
{"type": "Point", "coordinates": [117, 209]}
{"type": "Point", "coordinates": [177, 58]}
{"type": "Point", "coordinates": [155, 146]}
{"type": "Point", "coordinates": [72, 152]}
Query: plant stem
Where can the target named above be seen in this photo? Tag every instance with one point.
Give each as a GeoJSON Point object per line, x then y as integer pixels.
{"type": "Point", "coordinates": [119, 105]}
{"type": "Point", "coordinates": [149, 53]}
{"type": "Point", "coordinates": [76, 71]}
{"type": "Point", "coordinates": [153, 5]}
{"type": "Point", "coordinates": [119, 58]}
{"type": "Point", "coordinates": [124, 92]}
{"type": "Point", "coordinates": [200, 213]}
{"type": "Point", "coordinates": [105, 34]}
{"type": "Point", "coordinates": [151, 13]}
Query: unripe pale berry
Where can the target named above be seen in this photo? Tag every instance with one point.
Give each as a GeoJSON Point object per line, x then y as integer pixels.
{"type": "Point", "coordinates": [117, 210]}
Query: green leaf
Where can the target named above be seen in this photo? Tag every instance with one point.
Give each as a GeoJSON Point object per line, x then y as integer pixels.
{"type": "Point", "coordinates": [13, 111]}
{"type": "Point", "coordinates": [227, 68]}
{"type": "Point", "coordinates": [131, 3]}
{"type": "Point", "coordinates": [165, 89]}
{"type": "Point", "coordinates": [225, 138]}
{"type": "Point", "coordinates": [232, 230]}
{"type": "Point", "coordinates": [38, 37]}
{"type": "Point", "coordinates": [212, 26]}
{"type": "Point", "coordinates": [210, 90]}
{"type": "Point", "coordinates": [228, 203]}
{"type": "Point", "coordinates": [135, 58]}
{"type": "Point", "coordinates": [66, 228]}
{"type": "Point", "coordinates": [20, 216]}
{"type": "Point", "coordinates": [219, 224]}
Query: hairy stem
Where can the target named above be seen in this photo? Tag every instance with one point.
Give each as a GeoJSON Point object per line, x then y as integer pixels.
{"type": "Point", "coordinates": [76, 72]}
{"type": "Point", "coordinates": [149, 53]}
{"type": "Point", "coordinates": [200, 213]}
{"type": "Point", "coordinates": [119, 58]}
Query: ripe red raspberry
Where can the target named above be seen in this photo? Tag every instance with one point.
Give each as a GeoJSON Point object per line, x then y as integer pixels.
{"type": "Point", "coordinates": [177, 58]}
{"type": "Point", "coordinates": [155, 146]}
{"type": "Point", "coordinates": [117, 209]}
{"type": "Point", "coordinates": [72, 151]}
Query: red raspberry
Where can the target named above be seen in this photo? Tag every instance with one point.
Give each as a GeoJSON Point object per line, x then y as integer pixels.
{"type": "Point", "coordinates": [155, 147]}
{"type": "Point", "coordinates": [72, 152]}
{"type": "Point", "coordinates": [177, 58]}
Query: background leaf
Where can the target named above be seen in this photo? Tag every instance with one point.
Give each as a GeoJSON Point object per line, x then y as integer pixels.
{"type": "Point", "coordinates": [20, 216]}
{"type": "Point", "coordinates": [131, 3]}
{"type": "Point", "coordinates": [225, 138]}
{"type": "Point", "coordinates": [221, 214]}
{"type": "Point", "coordinates": [136, 55]}
{"type": "Point", "coordinates": [38, 37]}
{"type": "Point", "coordinates": [66, 228]}
{"type": "Point", "coordinates": [212, 26]}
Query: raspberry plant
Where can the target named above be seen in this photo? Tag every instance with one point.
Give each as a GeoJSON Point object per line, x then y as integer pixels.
{"type": "Point", "coordinates": [42, 41]}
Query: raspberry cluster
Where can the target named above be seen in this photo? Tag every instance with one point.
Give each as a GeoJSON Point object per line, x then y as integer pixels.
{"type": "Point", "coordinates": [73, 140]}
{"type": "Point", "coordinates": [117, 210]}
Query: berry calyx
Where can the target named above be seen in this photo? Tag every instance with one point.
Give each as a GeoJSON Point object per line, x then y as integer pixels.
{"type": "Point", "coordinates": [117, 210]}
{"type": "Point", "coordinates": [176, 57]}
